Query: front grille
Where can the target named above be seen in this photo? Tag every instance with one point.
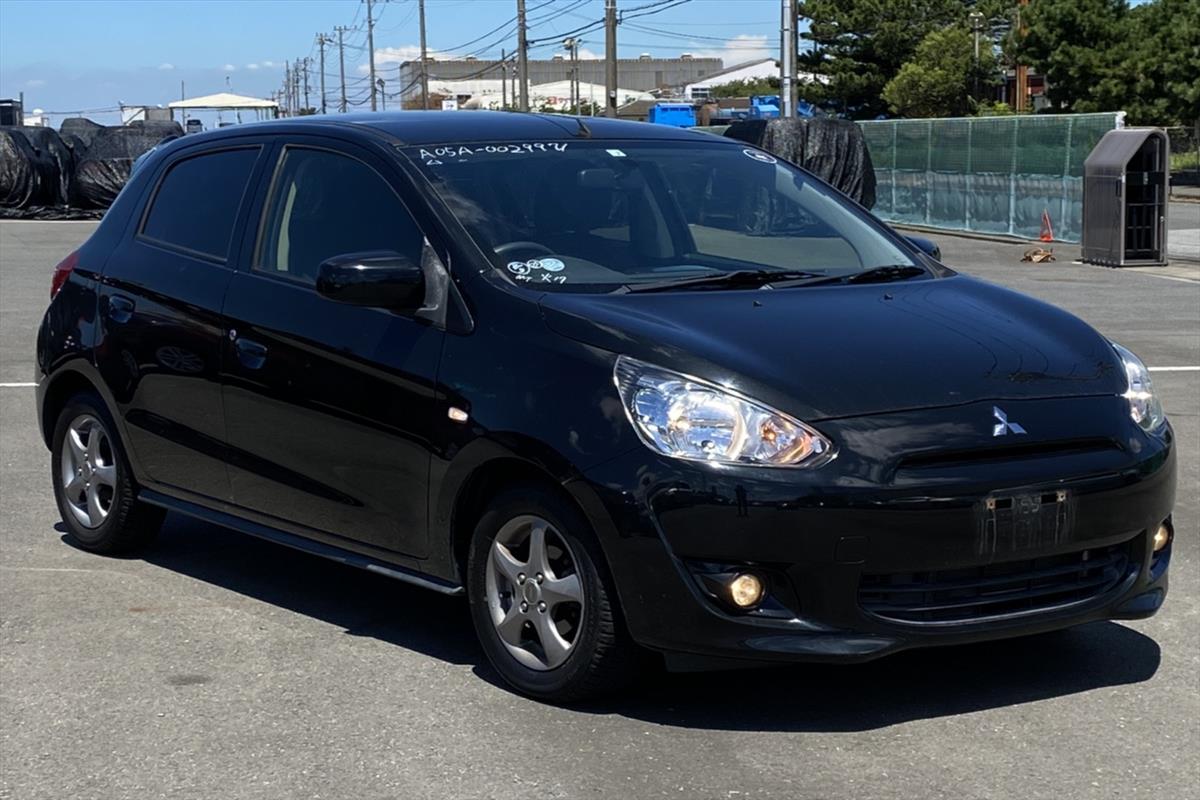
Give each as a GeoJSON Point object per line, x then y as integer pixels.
{"type": "Point", "coordinates": [974, 594]}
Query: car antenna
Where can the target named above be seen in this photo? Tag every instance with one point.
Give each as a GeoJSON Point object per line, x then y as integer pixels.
{"type": "Point", "coordinates": [584, 131]}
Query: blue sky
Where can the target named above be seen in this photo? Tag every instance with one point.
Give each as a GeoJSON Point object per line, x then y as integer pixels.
{"type": "Point", "coordinates": [70, 55]}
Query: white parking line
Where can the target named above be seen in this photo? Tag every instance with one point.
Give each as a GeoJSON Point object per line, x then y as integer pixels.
{"type": "Point", "coordinates": [1174, 369]}
{"type": "Point", "coordinates": [16, 385]}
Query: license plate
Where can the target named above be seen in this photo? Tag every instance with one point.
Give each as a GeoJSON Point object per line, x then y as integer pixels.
{"type": "Point", "coordinates": [1018, 522]}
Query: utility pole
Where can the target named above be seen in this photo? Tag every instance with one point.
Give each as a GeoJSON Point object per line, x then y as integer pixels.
{"type": "Point", "coordinates": [371, 50]}
{"type": "Point", "coordinates": [610, 58]}
{"type": "Point", "coordinates": [341, 29]}
{"type": "Point", "coordinates": [522, 56]}
{"type": "Point", "coordinates": [572, 46]}
{"type": "Point", "coordinates": [1022, 71]}
{"type": "Point", "coordinates": [976, 19]}
{"type": "Point", "coordinates": [424, 71]}
{"type": "Point", "coordinates": [787, 61]}
{"type": "Point", "coordinates": [503, 81]}
{"type": "Point", "coordinates": [382, 94]}
{"type": "Point", "coordinates": [287, 87]}
{"type": "Point", "coordinates": [322, 40]}
{"type": "Point", "coordinates": [304, 62]}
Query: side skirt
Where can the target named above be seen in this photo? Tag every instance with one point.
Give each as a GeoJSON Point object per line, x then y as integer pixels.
{"type": "Point", "coordinates": [299, 542]}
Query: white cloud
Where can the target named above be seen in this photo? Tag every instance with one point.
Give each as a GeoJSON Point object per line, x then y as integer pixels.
{"type": "Point", "coordinates": [228, 68]}
{"type": "Point", "coordinates": [397, 55]}
{"type": "Point", "coordinates": [741, 48]}
{"type": "Point", "coordinates": [35, 83]}
{"type": "Point", "coordinates": [252, 66]}
{"type": "Point", "coordinates": [267, 64]}
{"type": "Point", "coordinates": [166, 65]}
{"type": "Point", "coordinates": [586, 54]}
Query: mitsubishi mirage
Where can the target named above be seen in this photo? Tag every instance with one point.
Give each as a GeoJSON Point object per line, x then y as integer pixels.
{"type": "Point", "coordinates": [640, 394]}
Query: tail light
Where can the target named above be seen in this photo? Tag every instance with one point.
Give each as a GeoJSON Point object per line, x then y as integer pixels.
{"type": "Point", "coordinates": [62, 272]}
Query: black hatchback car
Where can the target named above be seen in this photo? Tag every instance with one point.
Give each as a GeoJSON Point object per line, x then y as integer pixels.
{"type": "Point", "coordinates": [628, 388]}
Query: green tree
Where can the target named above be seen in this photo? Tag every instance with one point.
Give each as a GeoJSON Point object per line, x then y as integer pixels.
{"type": "Point", "coordinates": [860, 45]}
{"type": "Point", "coordinates": [1162, 75]}
{"type": "Point", "coordinates": [747, 87]}
{"type": "Point", "coordinates": [1080, 46]}
{"type": "Point", "coordinates": [1103, 55]}
{"type": "Point", "coordinates": [941, 77]}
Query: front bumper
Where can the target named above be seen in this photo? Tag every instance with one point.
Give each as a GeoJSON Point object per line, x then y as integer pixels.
{"type": "Point", "coordinates": [829, 539]}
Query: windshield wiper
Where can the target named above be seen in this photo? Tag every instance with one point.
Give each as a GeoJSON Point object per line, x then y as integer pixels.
{"type": "Point", "coordinates": [741, 278]}
{"type": "Point", "coordinates": [891, 272]}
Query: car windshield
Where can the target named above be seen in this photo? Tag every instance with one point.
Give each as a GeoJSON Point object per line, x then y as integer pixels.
{"type": "Point", "coordinates": [606, 215]}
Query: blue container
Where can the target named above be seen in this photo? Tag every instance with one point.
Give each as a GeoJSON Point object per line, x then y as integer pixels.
{"type": "Point", "coordinates": [678, 115]}
{"type": "Point", "coordinates": [764, 106]}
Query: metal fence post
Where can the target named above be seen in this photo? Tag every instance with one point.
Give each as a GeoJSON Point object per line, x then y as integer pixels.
{"type": "Point", "coordinates": [928, 171]}
{"type": "Point", "coordinates": [895, 127]}
{"type": "Point", "coordinates": [1012, 179]}
{"type": "Point", "coordinates": [1062, 218]}
{"type": "Point", "coordinates": [970, 182]}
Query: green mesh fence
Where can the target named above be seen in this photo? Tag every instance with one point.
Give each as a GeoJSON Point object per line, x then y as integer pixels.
{"type": "Point", "coordinates": [985, 174]}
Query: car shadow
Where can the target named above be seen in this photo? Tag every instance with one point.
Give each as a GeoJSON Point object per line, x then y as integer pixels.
{"type": "Point", "coordinates": [362, 603]}
{"type": "Point", "coordinates": [917, 684]}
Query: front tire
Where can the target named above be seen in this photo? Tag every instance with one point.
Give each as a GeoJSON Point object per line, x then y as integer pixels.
{"type": "Point", "coordinates": [542, 602]}
{"type": "Point", "coordinates": [93, 484]}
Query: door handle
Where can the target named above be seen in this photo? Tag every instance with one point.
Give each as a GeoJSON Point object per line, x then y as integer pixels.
{"type": "Point", "coordinates": [120, 308]}
{"type": "Point", "coordinates": [251, 354]}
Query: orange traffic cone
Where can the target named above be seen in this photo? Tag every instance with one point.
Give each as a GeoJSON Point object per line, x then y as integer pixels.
{"type": "Point", "coordinates": [1047, 234]}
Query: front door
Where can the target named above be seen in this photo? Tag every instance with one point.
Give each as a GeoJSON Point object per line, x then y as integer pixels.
{"type": "Point", "coordinates": [328, 406]}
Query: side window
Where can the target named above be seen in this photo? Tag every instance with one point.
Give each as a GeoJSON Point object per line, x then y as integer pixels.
{"type": "Point", "coordinates": [197, 202]}
{"type": "Point", "coordinates": [325, 204]}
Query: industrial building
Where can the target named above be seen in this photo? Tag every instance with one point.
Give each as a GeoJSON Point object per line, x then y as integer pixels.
{"type": "Point", "coordinates": [642, 74]}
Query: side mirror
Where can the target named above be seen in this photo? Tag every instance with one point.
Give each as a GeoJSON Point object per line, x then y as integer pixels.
{"type": "Point", "coordinates": [926, 246]}
{"type": "Point", "coordinates": [381, 279]}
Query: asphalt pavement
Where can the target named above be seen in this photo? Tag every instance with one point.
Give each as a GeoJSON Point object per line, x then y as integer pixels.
{"type": "Point", "coordinates": [1183, 229]}
{"type": "Point", "coordinates": [222, 666]}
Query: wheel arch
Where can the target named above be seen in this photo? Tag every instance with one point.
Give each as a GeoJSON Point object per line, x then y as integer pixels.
{"type": "Point", "coordinates": [494, 468]}
{"type": "Point", "coordinates": [68, 380]}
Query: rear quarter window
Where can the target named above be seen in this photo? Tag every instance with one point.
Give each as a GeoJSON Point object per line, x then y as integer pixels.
{"type": "Point", "coordinates": [196, 203]}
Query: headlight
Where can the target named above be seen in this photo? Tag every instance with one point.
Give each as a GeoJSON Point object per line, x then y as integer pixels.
{"type": "Point", "coordinates": [685, 417]}
{"type": "Point", "coordinates": [1144, 406]}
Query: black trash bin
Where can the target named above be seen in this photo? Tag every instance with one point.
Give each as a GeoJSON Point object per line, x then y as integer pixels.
{"type": "Point", "coordinates": [1125, 199]}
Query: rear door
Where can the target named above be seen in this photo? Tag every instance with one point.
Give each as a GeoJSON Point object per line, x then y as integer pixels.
{"type": "Point", "coordinates": [160, 315]}
{"type": "Point", "coordinates": [329, 406]}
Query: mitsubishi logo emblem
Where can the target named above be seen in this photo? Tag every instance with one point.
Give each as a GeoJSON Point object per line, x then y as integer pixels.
{"type": "Point", "coordinates": [1002, 425]}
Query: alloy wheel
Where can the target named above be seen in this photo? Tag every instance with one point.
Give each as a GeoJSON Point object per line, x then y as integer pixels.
{"type": "Point", "coordinates": [88, 471]}
{"type": "Point", "coordinates": [534, 592]}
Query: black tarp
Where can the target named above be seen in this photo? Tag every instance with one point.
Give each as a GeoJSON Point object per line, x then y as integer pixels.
{"type": "Point", "coordinates": [45, 174]}
{"type": "Point", "coordinates": [108, 161]}
{"type": "Point", "coordinates": [55, 160]}
{"type": "Point", "coordinates": [80, 127]}
{"type": "Point", "coordinates": [36, 167]}
{"type": "Point", "coordinates": [830, 148]}
{"type": "Point", "coordinates": [18, 182]}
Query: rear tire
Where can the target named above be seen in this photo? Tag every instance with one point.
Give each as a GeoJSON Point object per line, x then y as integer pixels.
{"type": "Point", "coordinates": [93, 484]}
{"type": "Point", "coordinates": [562, 595]}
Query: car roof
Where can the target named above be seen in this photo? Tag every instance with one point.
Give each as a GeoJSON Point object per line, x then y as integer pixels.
{"type": "Point", "coordinates": [437, 127]}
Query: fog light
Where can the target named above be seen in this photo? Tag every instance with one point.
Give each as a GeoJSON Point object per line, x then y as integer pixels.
{"type": "Point", "coordinates": [1162, 537]}
{"type": "Point", "coordinates": [746, 590]}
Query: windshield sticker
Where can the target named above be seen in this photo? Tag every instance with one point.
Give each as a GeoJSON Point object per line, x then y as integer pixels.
{"type": "Point", "coordinates": [435, 155]}
{"type": "Point", "coordinates": [524, 270]}
{"type": "Point", "coordinates": [757, 156]}
{"type": "Point", "coordinates": [616, 153]}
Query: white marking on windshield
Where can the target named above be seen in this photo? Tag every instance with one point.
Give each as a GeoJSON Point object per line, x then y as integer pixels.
{"type": "Point", "coordinates": [435, 155]}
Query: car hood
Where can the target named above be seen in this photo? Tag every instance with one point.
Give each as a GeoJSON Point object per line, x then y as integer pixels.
{"type": "Point", "coordinates": [839, 351]}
